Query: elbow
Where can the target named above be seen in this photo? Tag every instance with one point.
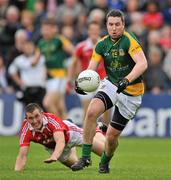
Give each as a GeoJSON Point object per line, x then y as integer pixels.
{"type": "Point", "coordinates": [145, 66]}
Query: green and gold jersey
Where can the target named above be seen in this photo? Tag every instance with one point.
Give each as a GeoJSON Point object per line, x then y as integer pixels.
{"type": "Point", "coordinates": [118, 60]}
{"type": "Point", "coordinates": [55, 55]}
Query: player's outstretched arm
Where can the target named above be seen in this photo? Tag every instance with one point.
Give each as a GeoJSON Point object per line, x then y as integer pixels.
{"type": "Point", "coordinates": [21, 158]}
{"type": "Point", "coordinates": [93, 65]}
{"type": "Point", "coordinates": [60, 144]}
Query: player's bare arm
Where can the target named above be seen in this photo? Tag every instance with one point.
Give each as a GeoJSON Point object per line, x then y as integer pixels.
{"type": "Point", "coordinates": [74, 68]}
{"type": "Point", "coordinates": [140, 66]}
{"type": "Point", "coordinates": [69, 49]}
{"type": "Point", "coordinates": [36, 57]}
{"type": "Point", "coordinates": [93, 65]}
{"type": "Point", "coordinates": [21, 158]}
{"type": "Point", "coordinates": [60, 144]}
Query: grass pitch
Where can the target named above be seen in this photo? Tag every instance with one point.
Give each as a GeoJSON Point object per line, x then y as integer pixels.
{"type": "Point", "coordinates": [135, 159]}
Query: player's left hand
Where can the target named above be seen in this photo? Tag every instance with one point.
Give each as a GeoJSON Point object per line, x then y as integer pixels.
{"type": "Point", "coordinates": [50, 160]}
{"type": "Point", "coordinates": [122, 84]}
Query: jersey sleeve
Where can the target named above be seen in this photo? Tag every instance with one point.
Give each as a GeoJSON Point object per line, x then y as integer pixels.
{"type": "Point", "coordinates": [25, 135]}
{"type": "Point", "coordinates": [97, 53]}
{"type": "Point", "coordinates": [134, 46]}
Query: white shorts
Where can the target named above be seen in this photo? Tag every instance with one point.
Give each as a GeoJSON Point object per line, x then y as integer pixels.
{"type": "Point", "coordinates": [75, 139]}
{"type": "Point", "coordinates": [56, 84]}
{"type": "Point", "coordinates": [127, 105]}
{"type": "Point", "coordinates": [88, 96]}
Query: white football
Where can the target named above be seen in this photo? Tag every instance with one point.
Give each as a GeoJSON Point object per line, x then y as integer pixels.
{"type": "Point", "coordinates": [88, 80]}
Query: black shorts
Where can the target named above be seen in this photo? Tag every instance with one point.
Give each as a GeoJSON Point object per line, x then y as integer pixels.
{"type": "Point", "coordinates": [118, 121]}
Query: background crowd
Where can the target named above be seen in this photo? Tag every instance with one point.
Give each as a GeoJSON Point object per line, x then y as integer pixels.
{"type": "Point", "coordinates": [22, 31]}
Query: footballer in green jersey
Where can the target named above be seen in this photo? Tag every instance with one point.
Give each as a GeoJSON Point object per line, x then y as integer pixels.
{"type": "Point", "coordinates": [55, 48]}
{"type": "Point", "coordinates": [124, 62]}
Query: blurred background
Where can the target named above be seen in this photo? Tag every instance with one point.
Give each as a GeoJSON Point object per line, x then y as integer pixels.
{"type": "Point", "coordinates": [25, 26]}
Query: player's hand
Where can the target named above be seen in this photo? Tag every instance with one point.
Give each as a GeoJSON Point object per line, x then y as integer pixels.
{"type": "Point", "coordinates": [78, 89]}
{"type": "Point", "coordinates": [122, 84]}
{"type": "Point", "coordinates": [50, 160]}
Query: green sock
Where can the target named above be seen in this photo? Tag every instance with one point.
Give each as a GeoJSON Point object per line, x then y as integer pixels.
{"type": "Point", "coordinates": [86, 150]}
{"type": "Point", "coordinates": [105, 159]}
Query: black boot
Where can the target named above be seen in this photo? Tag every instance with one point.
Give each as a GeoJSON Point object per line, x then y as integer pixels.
{"type": "Point", "coordinates": [81, 163]}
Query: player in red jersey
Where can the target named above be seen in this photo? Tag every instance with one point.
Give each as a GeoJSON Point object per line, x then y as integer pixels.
{"type": "Point", "coordinates": [59, 137]}
{"type": "Point", "coordinates": [80, 62]}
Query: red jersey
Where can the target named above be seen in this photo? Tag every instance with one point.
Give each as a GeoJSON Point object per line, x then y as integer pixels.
{"type": "Point", "coordinates": [51, 124]}
{"type": "Point", "coordinates": [84, 52]}
{"type": "Point", "coordinates": [153, 20]}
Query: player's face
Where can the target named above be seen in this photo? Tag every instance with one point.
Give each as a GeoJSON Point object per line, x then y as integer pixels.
{"type": "Point", "coordinates": [35, 119]}
{"type": "Point", "coordinates": [46, 31]}
{"type": "Point", "coordinates": [28, 48]}
{"type": "Point", "coordinates": [94, 32]}
{"type": "Point", "coordinates": [115, 27]}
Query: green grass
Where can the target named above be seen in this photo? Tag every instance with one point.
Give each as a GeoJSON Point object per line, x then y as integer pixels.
{"type": "Point", "coordinates": [135, 159]}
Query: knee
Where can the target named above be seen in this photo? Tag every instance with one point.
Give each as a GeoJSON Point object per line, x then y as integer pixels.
{"type": "Point", "coordinates": [91, 114]}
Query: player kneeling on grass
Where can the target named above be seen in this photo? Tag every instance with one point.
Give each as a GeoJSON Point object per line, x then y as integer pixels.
{"type": "Point", "coordinates": [60, 137]}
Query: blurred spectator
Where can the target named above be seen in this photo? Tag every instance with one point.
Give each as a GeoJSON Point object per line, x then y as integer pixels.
{"type": "Point", "coordinates": [3, 81]}
{"type": "Point", "coordinates": [20, 4]}
{"type": "Point", "coordinates": [137, 27]}
{"type": "Point", "coordinates": [167, 64]}
{"type": "Point", "coordinates": [155, 78]}
{"type": "Point", "coordinates": [116, 4]}
{"type": "Point", "coordinates": [153, 18]}
{"type": "Point", "coordinates": [14, 51]}
{"type": "Point", "coordinates": [3, 8]}
{"type": "Point", "coordinates": [69, 11]}
{"type": "Point", "coordinates": [167, 12]}
{"type": "Point", "coordinates": [98, 16]}
{"type": "Point", "coordinates": [152, 40]}
{"type": "Point", "coordinates": [80, 28]}
{"type": "Point", "coordinates": [55, 49]}
{"type": "Point", "coordinates": [30, 5]}
{"type": "Point", "coordinates": [51, 7]}
{"type": "Point", "coordinates": [31, 85]}
{"type": "Point", "coordinates": [39, 14]}
{"type": "Point", "coordinates": [8, 31]}
{"type": "Point", "coordinates": [132, 6]}
{"type": "Point", "coordinates": [100, 4]}
{"type": "Point", "coordinates": [17, 49]}
{"type": "Point", "coordinates": [165, 38]}
{"type": "Point", "coordinates": [27, 21]}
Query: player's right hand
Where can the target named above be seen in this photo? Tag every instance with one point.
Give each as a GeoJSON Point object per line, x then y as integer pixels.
{"type": "Point", "coordinates": [78, 89]}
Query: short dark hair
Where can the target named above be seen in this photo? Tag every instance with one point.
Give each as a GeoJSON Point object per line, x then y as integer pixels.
{"type": "Point", "coordinates": [49, 21]}
{"type": "Point", "coordinates": [116, 13]}
{"type": "Point", "coordinates": [31, 107]}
